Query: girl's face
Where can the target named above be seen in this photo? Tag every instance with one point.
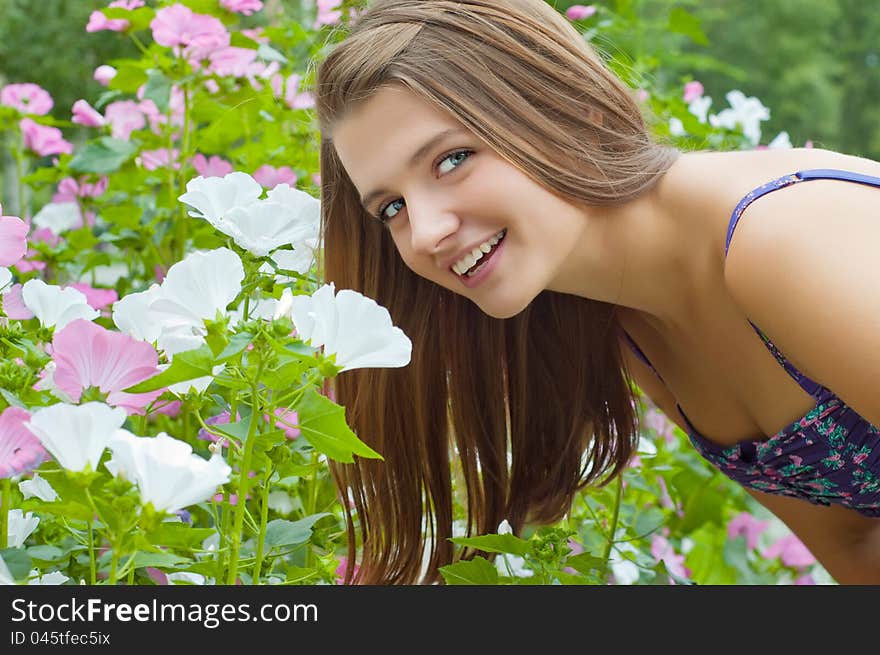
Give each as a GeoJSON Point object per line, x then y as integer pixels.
{"type": "Point", "coordinates": [442, 194]}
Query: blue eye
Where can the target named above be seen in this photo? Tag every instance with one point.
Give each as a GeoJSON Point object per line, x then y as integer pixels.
{"type": "Point", "coordinates": [398, 204]}
{"type": "Point", "coordinates": [455, 158]}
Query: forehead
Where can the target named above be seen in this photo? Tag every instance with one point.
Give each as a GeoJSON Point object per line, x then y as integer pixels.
{"type": "Point", "coordinates": [379, 135]}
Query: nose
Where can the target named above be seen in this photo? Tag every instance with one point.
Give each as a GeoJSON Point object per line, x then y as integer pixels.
{"type": "Point", "coordinates": [430, 222]}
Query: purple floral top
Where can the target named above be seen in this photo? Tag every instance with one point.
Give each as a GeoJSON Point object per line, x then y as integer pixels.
{"type": "Point", "coordinates": [832, 454]}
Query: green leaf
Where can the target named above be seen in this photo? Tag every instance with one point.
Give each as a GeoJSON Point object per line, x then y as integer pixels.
{"type": "Point", "coordinates": [288, 533]}
{"type": "Point", "coordinates": [585, 563]}
{"type": "Point", "coordinates": [159, 559]}
{"type": "Point", "coordinates": [138, 19]}
{"type": "Point", "coordinates": [322, 423]}
{"type": "Point", "coordinates": [17, 561]}
{"type": "Point", "coordinates": [682, 22]}
{"type": "Point", "coordinates": [187, 365]}
{"type": "Point", "coordinates": [128, 79]}
{"type": "Point", "coordinates": [495, 543]}
{"type": "Point", "coordinates": [478, 571]}
{"type": "Point", "coordinates": [237, 343]}
{"type": "Point", "coordinates": [158, 89]}
{"type": "Point", "coordinates": [179, 535]}
{"type": "Point", "coordinates": [106, 155]}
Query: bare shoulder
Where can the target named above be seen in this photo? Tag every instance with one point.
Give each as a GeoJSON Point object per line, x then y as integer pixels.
{"type": "Point", "coordinates": [814, 210]}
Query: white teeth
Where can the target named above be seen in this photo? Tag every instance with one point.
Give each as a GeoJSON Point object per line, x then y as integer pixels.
{"type": "Point", "coordinates": [471, 258]}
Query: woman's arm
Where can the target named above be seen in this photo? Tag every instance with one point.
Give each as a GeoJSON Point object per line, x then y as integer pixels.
{"type": "Point", "coordinates": [845, 542]}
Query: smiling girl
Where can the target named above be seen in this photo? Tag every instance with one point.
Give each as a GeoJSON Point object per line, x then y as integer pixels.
{"type": "Point", "coordinates": [487, 179]}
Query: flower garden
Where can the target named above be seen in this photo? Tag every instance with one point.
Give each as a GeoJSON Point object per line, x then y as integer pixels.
{"type": "Point", "coordinates": [167, 344]}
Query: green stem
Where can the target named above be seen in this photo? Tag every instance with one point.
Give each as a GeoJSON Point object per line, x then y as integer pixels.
{"type": "Point", "coordinates": [614, 518]}
{"type": "Point", "coordinates": [312, 502]}
{"type": "Point", "coordinates": [5, 506]}
{"type": "Point", "coordinates": [114, 565]}
{"type": "Point", "coordinates": [264, 519]}
{"type": "Point", "coordinates": [93, 571]}
{"type": "Point", "coordinates": [244, 467]}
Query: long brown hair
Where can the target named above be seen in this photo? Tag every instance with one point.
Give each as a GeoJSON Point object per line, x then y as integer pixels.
{"type": "Point", "coordinates": [529, 409]}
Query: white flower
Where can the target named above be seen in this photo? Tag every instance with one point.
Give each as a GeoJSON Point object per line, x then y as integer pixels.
{"type": "Point", "coordinates": [107, 275]}
{"type": "Point", "coordinates": [699, 107]}
{"type": "Point", "coordinates": [54, 306]}
{"type": "Point", "coordinates": [20, 527]}
{"type": "Point", "coordinates": [58, 217]}
{"type": "Point", "coordinates": [37, 487]}
{"type": "Point", "coordinates": [47, 383]}
{"type": "Point", "coordinates": [747, 112]}
{"type": "Point", "coordinates": [5, 276]}
{"type": "Point", "coordinates": [626, 572]}
{"type": "Point", "coordinates": [185, 577]}
{"type": "Point", "coordinates": [284, 305]}
{"type": "Point", "coordinates": [132, 315]}
{"type": "Point", "coordinates": [281, 502]}
{"type": "Point", "coordinates": [513, 565]}
{"type": "Point", "coordinates": [53, 578]}
{"type": "Point", "coordinates": [781, 141]}
{"type": "Point", "coordinates": [213, 197]}
{"type": "Point", "coordinates": [676, 127]}
{"type": "Point", "coordinates": [266, 225]}
{"type": "Point", "coordinates": [504, 527]}
{"type": "Point", "coordinates": [353, 327]}
{"type": "Point", "coordinates": [167, 472]}
{"type": "Point", "coordinates": [300, 259]}
{"type": "Point", "coordinates": [197, 287]}
{"type": "Point", "coordinates": [76, 435]}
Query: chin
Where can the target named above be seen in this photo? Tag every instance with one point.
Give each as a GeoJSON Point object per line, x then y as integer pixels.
{"type": "Point", "coordinates": [501, 310]}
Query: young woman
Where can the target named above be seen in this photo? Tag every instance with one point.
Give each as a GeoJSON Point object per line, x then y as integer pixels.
{"type": "Point", "coordinates": [490, 182]}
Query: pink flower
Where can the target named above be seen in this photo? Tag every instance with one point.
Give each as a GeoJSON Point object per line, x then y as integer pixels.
{"type": "Point", "coordinates": [287, 421]}
{"type": "Point", "coordinates": [642, 95]}
{"type": "Point", "coordinates": [746, 525]}
{"type": "Point", "coordinates": [218, 419]}
{"type": "Point", "coordinates": [292, 96]}
{"type": "Point", "coordinates": [124, 117]}
{"type": "Point", "coordinates": [43, 140]}
{"type": "Point", "coordinates": [168, 408]}
{"type": "Point", "coordinates": [692, 91]}
{"type": "Point", "coordinates": [99, 22]}
{"type": "Point", "coordinates": [791, 551]}
{"type": "Point", "coordinates": [805, 579]}
{"type": "Point", "coordinates": [211, 167]}
{"type": "Point", "coordinates": [657, 421]}
{"type": "Point", "coordinates": [20, 450]}
{"type": "Point", "coordinates": [580, 12]}
{"type": "Point", "coordinates": [27, 98]}
{"type": "Point", "coordinates": [87, 355]}
{"type": "Point", "coordinates": [96, 298]}
{"type": "Point", "coordinates": [661, 549]}
{"type": "Point", "coordinates": [13, 304]}
{"type": "Point", "coordinates": [200, 34]}
{"type": "Point", "coordinates": [85, 114]}
{"type": "Point", "coordinates": [67, 191]}
{"type": "Point", "coordinates": [103, 74]}
{"type": "Point", "coordinates": [327, 14]}
{"type": "Point", "coordinates": [13, 239]}
{"type": "Point", "coordinates": [246, 7]}
{"type": "Point", "coordinates": [269, 177]}
{"type": "Point", "coordinates": [343, 568]}
{"type": "Point", "coordinates": [231, 61]}
{"type": "Point", "coordinates": [161, 158]}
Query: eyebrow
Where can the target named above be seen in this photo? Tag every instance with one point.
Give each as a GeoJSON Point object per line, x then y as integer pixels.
{"type": "Point", "coordinates": [417, 156]}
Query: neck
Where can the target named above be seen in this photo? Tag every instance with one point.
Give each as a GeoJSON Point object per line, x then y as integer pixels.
{"type": "Point", "coordinates": [648, 256]}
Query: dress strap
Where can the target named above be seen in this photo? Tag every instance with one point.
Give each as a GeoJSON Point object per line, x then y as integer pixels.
{"type": "Point", "coordinates": [808, 385]}
{"type": "Point", "coordinates": [638, 351]}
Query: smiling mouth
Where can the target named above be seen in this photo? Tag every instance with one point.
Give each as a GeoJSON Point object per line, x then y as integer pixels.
{"type": "Point", "coordinates": [482, 261]}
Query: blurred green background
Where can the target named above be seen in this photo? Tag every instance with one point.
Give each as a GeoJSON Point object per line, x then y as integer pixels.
{"type": "Point", "coordinates": [814, 63]}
